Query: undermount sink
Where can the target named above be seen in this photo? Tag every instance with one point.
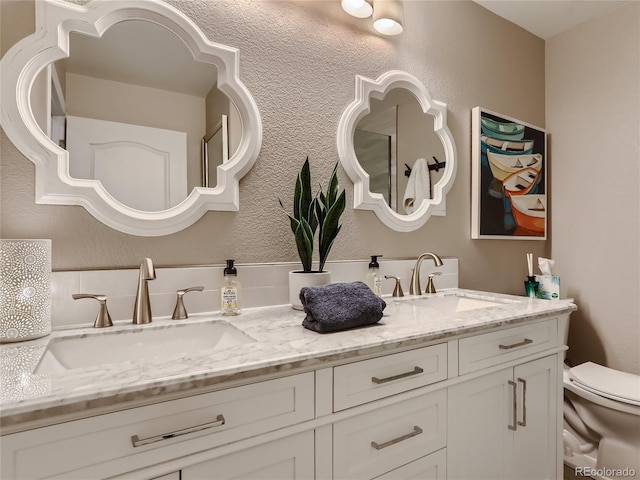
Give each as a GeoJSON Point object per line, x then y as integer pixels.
{"type": "Point", "coordinates": [456, 302]}
{"type": "Point", "coordinates": [85, 350]}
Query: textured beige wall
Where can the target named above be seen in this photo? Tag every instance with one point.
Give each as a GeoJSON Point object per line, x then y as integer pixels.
{"type": "Point", "coordinates": [593, 114]}
{"type": "Point", "coordinates": [299, 60]}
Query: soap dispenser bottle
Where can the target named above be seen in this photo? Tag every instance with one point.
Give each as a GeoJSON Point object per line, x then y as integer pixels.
{"type": "Point", "coordinates": [230, 291]}
{"type": "Point", "coordinates": [374, 279]}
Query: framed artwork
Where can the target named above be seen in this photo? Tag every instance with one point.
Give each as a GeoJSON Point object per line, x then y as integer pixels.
{"type": "Point", "coordinates": [508, 178]}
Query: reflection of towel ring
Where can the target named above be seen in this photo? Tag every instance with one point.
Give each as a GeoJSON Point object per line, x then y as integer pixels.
{"type": "Point", "coordinates": [438, 165]}
{"type": "Point", "coordinates": [432, 166]}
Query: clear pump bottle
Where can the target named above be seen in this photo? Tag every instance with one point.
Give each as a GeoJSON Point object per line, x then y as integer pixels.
{"type": "Point", "coordinates": [374, 279]}
{"type": "Point", "coordinates": [230, 291]}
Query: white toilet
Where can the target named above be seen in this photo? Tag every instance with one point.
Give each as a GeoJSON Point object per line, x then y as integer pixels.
{"type": "Point", "coordinates": [602, 420]}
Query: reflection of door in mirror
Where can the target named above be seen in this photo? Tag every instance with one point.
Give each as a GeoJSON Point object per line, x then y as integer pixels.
{"type": "Point", "coordinates": [141, 74]}
{"type": "Point", "coordinates": [400, 117]}
{"type": "Point", "coordinates": [154, 159]}
{"type": "Point", "coordinates": [215, 151]}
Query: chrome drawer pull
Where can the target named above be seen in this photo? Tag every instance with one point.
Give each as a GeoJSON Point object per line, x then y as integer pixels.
{"type": "Point", "coordinates": [379, 446]}
{"type": "Point", "coordinates": [138, 442]}
{"type": "Point", "coordinates": [523, 423]}
{"type": "Point", "coordinates": [526, 341]}
{"type": "Point", "coordinates": [515, 406]}
{"type": "Point", "coordinates": [415, 371]}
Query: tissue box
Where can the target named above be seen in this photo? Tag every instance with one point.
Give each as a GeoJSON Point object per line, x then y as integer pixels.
{"type": "Point", "coordinates": [548, 287]}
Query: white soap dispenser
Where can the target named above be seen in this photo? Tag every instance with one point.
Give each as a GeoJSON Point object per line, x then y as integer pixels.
{"type": "Point", "coordinates": [374, 279]}
{"type": "Point", "coordinates": [230, 291]}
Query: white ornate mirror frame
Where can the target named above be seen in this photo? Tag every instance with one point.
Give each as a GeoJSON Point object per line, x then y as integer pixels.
{"type": "Point", "coordinates": [363, 198]}
{"type": "Point", "coordinates": [55, 20]}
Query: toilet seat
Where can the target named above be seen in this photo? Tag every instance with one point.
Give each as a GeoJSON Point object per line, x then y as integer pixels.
{"type": "Point", "coordinates": [607, 382]}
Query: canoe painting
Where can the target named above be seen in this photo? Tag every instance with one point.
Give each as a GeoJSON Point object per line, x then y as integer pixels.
{"type": "Point", "coordinates": [508, 178]}
{"type": "Point", "coordinates": [520, 183]}
{"type": "Point", "coordinates": [507, 147]}
{"type": "Point", "coordinates": [502, 130]}
{"type": "Point", "coordinates": [530, 212]}
{"type": "Point", "coordinates": [504, 165]}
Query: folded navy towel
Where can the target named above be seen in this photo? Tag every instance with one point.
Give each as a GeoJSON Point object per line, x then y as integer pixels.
{"type": "Point", "coordinates": [340, 306]}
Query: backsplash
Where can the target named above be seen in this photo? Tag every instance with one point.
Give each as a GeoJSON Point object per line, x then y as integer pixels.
{"type": "Point", "coordinates": [263, 284]}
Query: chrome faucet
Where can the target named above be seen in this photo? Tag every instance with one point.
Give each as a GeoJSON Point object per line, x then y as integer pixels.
{"type": "Point", "coordinates": [142, 308]}
{"type": "Point", "coordinates": [415, 288]}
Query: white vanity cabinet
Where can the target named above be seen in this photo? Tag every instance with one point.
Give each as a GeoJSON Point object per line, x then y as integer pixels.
{"type": "Point", "coordinates": [375, 443]}
{"type": "Point", "coordinates": [288, 458]}
{"type": "Point", "coordinates": [479, 405]}
{"type": "Point", "coordinates": [394, 434]}
{"type": "Point", "coordinates": [368, 380]}
{"type": "Point", "coordinates": [503, 425]}
{"type": "Point", "coordinates": [135, 439]}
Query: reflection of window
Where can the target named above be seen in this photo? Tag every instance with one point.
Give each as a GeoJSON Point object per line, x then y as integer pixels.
{"type": "Point", "coordinates": [215, 151]}
{"type": "Point", "coordinates": [374, 152]}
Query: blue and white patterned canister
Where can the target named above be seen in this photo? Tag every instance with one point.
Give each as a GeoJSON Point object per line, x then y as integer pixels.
{"type": "Point", "coordinates": [25, 289]}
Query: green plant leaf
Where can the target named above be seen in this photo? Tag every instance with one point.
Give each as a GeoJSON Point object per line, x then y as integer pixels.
{"type": "Point", "coordinates": [292, 220]}
{"type": "Point", "coordinates": [319, 212]}
{"type": "Point", "coordinates": [315, 213]}
{"type": "Point", "coordinates": [304, 243]}
{"type": "Point", "coordinates": [332, 188]}
{"type": "Point", "coordinates": [302, 196]}
{"type": "Point", "coordinates": [330, 228]}
{"type": "Point", "coordinates": [312, 217]}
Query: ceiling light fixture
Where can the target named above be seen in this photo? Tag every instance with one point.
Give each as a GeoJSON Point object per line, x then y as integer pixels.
{"type": "Point", "coordinates": [387, 17]}
{"type": "Point", "coordinates": [358, 8]}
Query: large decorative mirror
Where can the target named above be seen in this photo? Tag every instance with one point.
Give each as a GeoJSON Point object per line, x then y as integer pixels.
{"type": "Point", "coordinates": [128, 110]}
{"type": "Point", "coordinates": [395, 145]}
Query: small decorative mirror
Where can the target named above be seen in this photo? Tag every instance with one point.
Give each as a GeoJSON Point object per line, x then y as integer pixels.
{"type": "Point", "coordinates": [128, 110]}
{"type": "Point", "coordinates": [395, 145]}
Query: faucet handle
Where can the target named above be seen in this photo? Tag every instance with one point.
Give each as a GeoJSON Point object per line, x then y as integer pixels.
{"type": "Point", "coordinates": [431, 288]}
{"type": "Point", "coordinates": [397, 290]}
{"type": "Point", "coordinates": [180, 312]}
{"type": "Point", "coordinates": [103, 319]}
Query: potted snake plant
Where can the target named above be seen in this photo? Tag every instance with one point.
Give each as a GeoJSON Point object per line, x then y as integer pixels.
{"type": "Point", "coordinates": [313, 213]}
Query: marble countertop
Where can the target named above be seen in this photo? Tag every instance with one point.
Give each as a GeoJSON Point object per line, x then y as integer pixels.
{"type": "Point", "coordinates": [281, 344]}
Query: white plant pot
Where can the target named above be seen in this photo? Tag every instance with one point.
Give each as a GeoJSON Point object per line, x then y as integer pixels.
{"type": "Point", "coordinates": [299, 279]}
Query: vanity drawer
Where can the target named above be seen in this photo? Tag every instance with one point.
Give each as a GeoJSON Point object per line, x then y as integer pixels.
{"type": "Point", "coordinates": [288, 458]}
{"type": "Point", "coordinates": [430, 467]}
{"type": "Point", "coordinates": [164, 430]}
{"type": "Point", "coordinates": [374, 443]}
{"type": "Point", "coordinates": [489, 349]}
{"type": "Point", "coordinates": [368, 380]}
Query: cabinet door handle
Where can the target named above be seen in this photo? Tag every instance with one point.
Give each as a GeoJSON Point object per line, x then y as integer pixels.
{"type": "Point", "coordinates": [523, 423]}
{"type": "Point", "coordinates": [138, 442]}
{"type": "Point", "coordinates": [526, 341]}
{"type": "Point", "coordinates": [379, 446]}
{"type": "Point", "coordinates": [415, 371]}
{"type": "Point", "coordinates": [515, 406]}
